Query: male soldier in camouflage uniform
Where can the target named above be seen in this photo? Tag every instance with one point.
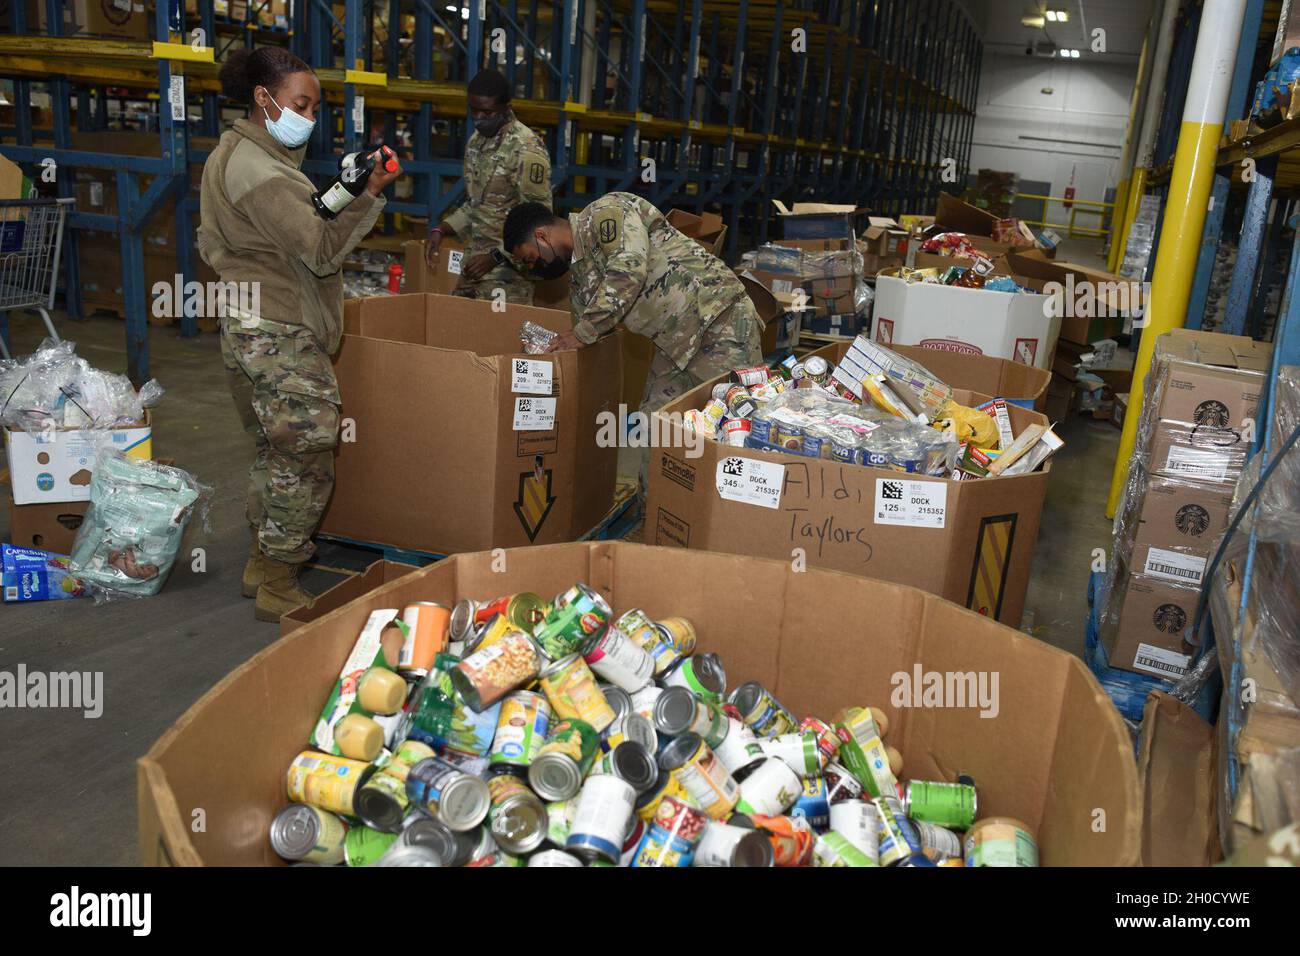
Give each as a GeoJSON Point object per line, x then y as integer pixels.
{"type": "Point", "coordinates": [630, 266]}
{"type": "Point", "coordinates": [505, 164]}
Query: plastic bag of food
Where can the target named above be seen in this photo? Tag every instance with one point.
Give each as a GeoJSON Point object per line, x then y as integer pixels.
{"type": "Point", "coordinates": [138, 514]}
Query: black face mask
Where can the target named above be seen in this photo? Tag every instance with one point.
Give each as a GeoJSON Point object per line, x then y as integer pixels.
{"type": "Point", "coordinates": [489, 126]}
{"type": "Point", "coordinates": [552, 269]}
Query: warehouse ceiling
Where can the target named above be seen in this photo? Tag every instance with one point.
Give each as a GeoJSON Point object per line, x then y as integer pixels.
{"type": "Point", "coordinates": [1002, 24]}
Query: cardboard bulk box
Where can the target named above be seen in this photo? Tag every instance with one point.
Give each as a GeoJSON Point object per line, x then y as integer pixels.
{"type": "Point", "coordinates": [1055, 751]}
{"type": "Point", "coordinates": [1010, 325]}
{"type": "Point", "coordinates": [56, 466]}
{"type": "Point", "coordinates": [970, 541]}
{"type": "Point", "coordinates": [462, 442]}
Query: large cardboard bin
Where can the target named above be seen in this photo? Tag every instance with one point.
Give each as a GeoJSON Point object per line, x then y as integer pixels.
{"type": "Point", "coordinates": [451, 450]}
{"type": "Point", "coordinates": [1055, 754]}
{"type": "Point", "coordinates": [1010, 325]}
{"type": "Point", "coordinates": [969, 541]}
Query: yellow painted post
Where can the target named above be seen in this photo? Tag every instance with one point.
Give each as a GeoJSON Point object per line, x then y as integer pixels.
{"type": "Point", "coordinates": [1189, 193]}
{"type": "Point", "coordinates": [1117, 212]}
{"type": "Point", "coordinates": [582, 152]}
{"type": "Point", "coordinates": [1137, 187]}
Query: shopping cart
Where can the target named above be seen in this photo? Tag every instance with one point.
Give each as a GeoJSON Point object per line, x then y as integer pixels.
{"type": "Point", "coordinates": [31, 238]}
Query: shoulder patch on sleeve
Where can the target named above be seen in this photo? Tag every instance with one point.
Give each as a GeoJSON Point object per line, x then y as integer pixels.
{"type": "Point", "coordinates": [609, 229]}
{"type": "Point", "coordinates": [536, 171]}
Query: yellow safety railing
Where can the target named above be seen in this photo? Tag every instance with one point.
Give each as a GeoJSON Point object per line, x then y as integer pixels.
{"type": "Point", "coordinates": [1076, 206]}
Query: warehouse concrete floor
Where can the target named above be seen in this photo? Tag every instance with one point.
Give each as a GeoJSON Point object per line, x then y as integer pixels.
{"type": "Point", "coordinates": [70, 794]}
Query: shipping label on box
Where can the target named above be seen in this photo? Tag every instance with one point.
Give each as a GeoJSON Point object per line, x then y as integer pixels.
{"type": "Point", "coordinates": [56, 464]}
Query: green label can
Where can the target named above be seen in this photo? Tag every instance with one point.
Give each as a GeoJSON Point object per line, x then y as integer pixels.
{"type": "Point", "coordinates": [945, 804]}
{"type": "Point", "coordinates": [363, 846]}
{"type": "Point", "coordinates": [573, 624]}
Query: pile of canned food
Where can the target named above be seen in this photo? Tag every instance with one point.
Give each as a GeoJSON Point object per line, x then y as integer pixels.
{"type": "Point", "coordinates": [518, 732]}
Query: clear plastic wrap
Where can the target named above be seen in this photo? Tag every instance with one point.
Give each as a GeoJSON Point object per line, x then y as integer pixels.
{"type": "Point", "coordinates": [53, 388]}
{"type": "Point", "coordinates": [32, 390]}
{"type": "Point", "coordinates": [815, 423]}
{"type": "Point", "coordinates": [535, 338]}
{"type": "Point", "coordinates": [782, 260]}
{"type": "Point", "coordinates": [138, 514]}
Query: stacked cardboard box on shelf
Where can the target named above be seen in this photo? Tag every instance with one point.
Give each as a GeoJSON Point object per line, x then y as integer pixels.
{"type": "Point", "coordinates": [821, 279]}
{"type": "Point", "coordinates": [1203, 392]}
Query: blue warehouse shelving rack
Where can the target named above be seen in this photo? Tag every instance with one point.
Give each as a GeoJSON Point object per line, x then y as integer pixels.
{"type": "Point", "coordinates": [701, 104]}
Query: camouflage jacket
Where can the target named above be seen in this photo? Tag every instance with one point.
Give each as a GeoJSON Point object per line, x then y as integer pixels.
{"type": "Point", "coordinates": [631, 266]}
{"type": "Point", "coordinates": [500, 173]}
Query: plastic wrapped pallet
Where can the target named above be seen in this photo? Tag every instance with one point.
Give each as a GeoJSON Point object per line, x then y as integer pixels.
{"type": "Point", "coordinates": [1193, 440]}
{"type": "Point", "coordinates": [138, 514]}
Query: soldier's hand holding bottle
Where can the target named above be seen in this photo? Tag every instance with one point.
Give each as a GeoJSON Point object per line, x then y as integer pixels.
{"type": "Point", "coordinates": [387, 170]}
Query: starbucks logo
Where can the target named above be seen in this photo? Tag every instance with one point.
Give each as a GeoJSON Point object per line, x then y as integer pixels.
{"type": "Point", "coordinates": [1169, 619]}
{"type": "Point", "coordinates": [1211, 413]}
{"type": "Point", "coordinates": [1192, 520]}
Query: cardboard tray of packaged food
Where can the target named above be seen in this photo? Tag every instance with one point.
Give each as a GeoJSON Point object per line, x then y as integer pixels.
{"type": "Point", "coordinates": [1055, 753]}
{"type": "Point", "coordinates": [969, 541]}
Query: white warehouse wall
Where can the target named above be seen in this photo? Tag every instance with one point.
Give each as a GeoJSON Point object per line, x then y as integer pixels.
{"type": "Point", "coordinates": [1078, 126]}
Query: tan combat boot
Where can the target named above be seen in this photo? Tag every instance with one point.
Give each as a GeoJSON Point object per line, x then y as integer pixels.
{"type": "Point", "coordinates": [280, 591]}
{"type": "Point", "coordinates": [254, 569]}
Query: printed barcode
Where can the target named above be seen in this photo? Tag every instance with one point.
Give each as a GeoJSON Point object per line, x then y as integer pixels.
{"type": "Point", "coordinates": [11, 594]}
{"type": "Point", "coordinates": [1177, 572]}
{"type": "Point", "coordinates": [1158, 665]}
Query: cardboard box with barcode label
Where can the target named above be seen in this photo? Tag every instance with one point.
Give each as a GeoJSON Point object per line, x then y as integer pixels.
{"type": "Point", "coordinates": [56, 465]}
{"type": "Point", "coordinates": [454, 440]}
{"type": "Point", "coordinates": [1145, 625]}
{"type": "Point", "coordinates": [969, 541]}
{"type": "Point", "coordinates": [1010, 325]}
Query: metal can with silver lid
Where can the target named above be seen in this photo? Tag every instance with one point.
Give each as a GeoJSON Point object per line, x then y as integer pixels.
{"type": "Point", "coordinates": [603, 818]}
{"type": "Point", "coordinates": [448, 794]}
{"type": "Point", "coordinates": [678, 711]}
{"type": "Point", "coordinates": [308, 834]}
{"type": "Point", "coordinates": [461, 626]}
{"type": "Point", "coordinates": [618, 659]}
{"type": "Point", "coordinates": [382, 801]}
{"type": "Point", "coordinates": [679, 632]}
{"type": "Point", "coordinates": [817, 369]}
{"type": "Point", "coordinates": [633, 727]}
{"type": "Point", "coordinates": [764, 714]}
{"type": "Point", "coordinates": [702, 774]}
{"type": "Point", "coordinates": [573, 623]}
{"type": "Point", "coordinates": [454, 848]}
{"type": "Point", "coordinates": [724, 844]}
{"type": "Point", "coordinates": [401, 855]}
{"type": "Point", "coordinates": [619, 700]}
{"type": "Point", "coordinates": [703, 675]}
{"type": "Point", "coordinates": [631, 762]}
{"type": "Point", "coordinates": [665, 785]}
{"type": "Point", "coordinates": [739, 749]}
{"type": "Point", "coordinates": [518, 819]}
{"type": "Point", "coordinates": [487, 675]}
{"type": "Point", "coordinates": [556, 772]}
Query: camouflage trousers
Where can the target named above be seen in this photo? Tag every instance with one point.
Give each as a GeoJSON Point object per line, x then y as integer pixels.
{"type": "Point", "coordinates": [288, 400]}
{"type": "Point", "coordinates": [516, 288]}
{"type": "Point", "coordinates": [732, 340]}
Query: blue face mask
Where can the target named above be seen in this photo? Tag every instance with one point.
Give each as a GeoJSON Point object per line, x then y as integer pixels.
{"type": "Point", "coordinates": [290, 130]}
